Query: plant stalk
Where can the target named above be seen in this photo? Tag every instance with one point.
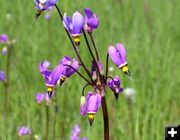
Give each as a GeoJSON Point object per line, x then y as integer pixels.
{"type": "Point", "coordinates": [105, 118]}
{"type": "Point", "coordinates": [47, 122]}
{"type": "Point", "coordinates": [94, 45]}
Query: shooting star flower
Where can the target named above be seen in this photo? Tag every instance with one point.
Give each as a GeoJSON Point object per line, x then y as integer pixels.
{"type": "Point", "coordinates": [118, 56]}
{"type": "Point", "coordinates": [91, 20]}
{"type": "Point", "coordinates": [74, 26]}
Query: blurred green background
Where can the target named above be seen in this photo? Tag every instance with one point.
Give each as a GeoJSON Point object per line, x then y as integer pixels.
{"type": "Point", "coordinates": [149, 30]}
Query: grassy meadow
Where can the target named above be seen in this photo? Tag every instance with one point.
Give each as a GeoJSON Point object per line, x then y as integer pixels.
{"type": "Point", "coordinates": [150, 32]}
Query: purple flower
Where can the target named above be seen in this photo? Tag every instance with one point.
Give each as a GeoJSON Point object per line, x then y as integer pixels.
{"type": "Point", "coordinates": [84, 138]}
{"type": "Point", "coordinates": [68, 71]}
{"type": "Point", "coordinates": [24, 131]}
{"type": "Point", "coordinates": [91, 20]}
{"type": "Point", "coordinates": [74, 25]}
{"type": "Point", "coordinates": [118, 56]}
{"type": "Point", "coordinates": [4, 50]}
{"type": "Point", "coordinates": [2, 76]}
{"type": "Point", "coordinates": [39, 97]}
{"type": "Point", "coordinates": [93, 105]}
{"type": "Point", "coordinates": [3, 38]}
{"type": "Point", "coordinates": [115, 85]}
{"type": "Point", "coordinates": [51, 77]}
{"type": "Point", "coordinates": [42, 5]}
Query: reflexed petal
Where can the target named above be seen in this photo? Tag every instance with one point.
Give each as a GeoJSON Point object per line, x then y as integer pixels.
{"type": "Point", "coordinates": [122, 52]}
{"type": "Point", "coordinates": [77, 23]}
{"type": "Point", "coordinates": [88, 12]}
{"type": "Point", "coordinates": [94, 102]}
{"type": "Point", "coordinates": [93, 23]}
{"type": "Point", "coordinates": [67, 22]}
{"type": "Point", "coordinates": [55, 75]}
{"type": "Point", "coordinates": [114, 56]}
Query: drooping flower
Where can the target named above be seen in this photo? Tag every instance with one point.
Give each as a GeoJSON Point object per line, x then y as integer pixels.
{"type": "Point", "coordinates": [91, 20]}
{"type": "Point", "coordinates": [93, 105]}
{"type": "Point", "coordinates": [51, 77]}
{"type": "Point", "coordinates": [3, 38]}
{"type": "Point", "coordinates": [2, 76]}
{"type": "Point", "coordinates": [118, 56]}
{"type": "Point", "coordinates": [24, 131]}
{"type": "Point", "coordinates": [74, 26]}
{"type": "Point", "coordinates": [70, 66]}
{"type": "Point", "coordinates": [39, 97]}
{"type": "Point", "coordinates": [43, 5]}
{"type": "Point", "coordinates": [115, 85]}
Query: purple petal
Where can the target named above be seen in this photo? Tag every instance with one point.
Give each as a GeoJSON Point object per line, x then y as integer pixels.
{"type": "Point", "coordinates": [88, 12]}
{"type": "Point", "coordinates": [55, 75]}
{"type": "Point", "coordinates": [114, 85]}
{"type": "Point", "coordinates": [94, 103]}
{"type": "Point", "coordinates": [67, 22]}
{"type": "Point", "coordinates": [114, 56]}
{"type": "Point", "coordinates": [45, 73]}
{"type": "Point", "coordinates": [77, 23]}
{"type": "Point", "coordinates": [122, 52]}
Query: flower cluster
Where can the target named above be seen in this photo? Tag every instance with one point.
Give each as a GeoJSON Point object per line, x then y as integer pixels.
{"type": "Point", "coordinates": [75, 133]}
{"type": "Point", "coordinates": [97, 78]}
